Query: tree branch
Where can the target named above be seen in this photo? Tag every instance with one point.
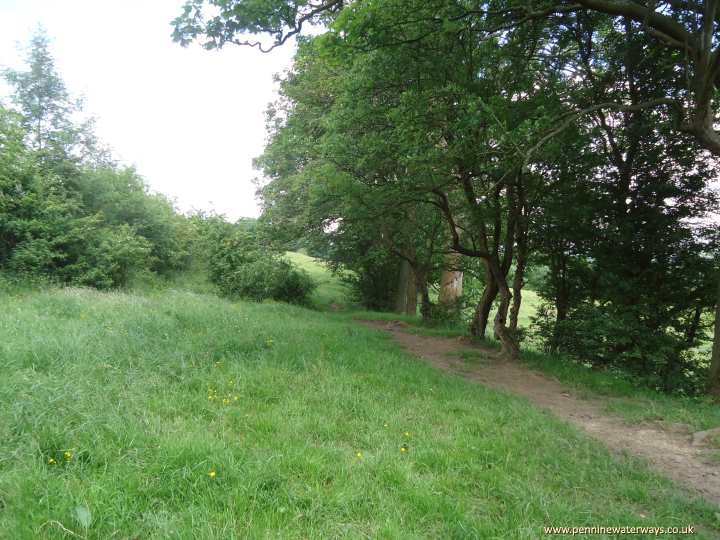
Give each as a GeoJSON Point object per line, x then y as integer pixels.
{"type": "Point", "coordinates": [639, 13]}
{"type": "Point", "coordinates": [574, 116]}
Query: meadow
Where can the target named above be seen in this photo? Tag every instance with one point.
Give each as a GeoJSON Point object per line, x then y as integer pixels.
{"type": "Point", "coordinates": [174, 414]}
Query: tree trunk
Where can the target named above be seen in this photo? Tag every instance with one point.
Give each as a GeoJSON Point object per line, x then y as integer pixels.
{"type": "Point", "coordinates": [692, 329]}
{"type": "Point", "coordinates": [508, 344]}
{"type": "Point", "coordinates": [522, 255]}
{"type": "Point", "coordinates": [561, 293]}
{"type": "Point", "coordinates": [451, 281]}
{"type": "Point", "coordinates": [411, 294]}
{"type": "Point", "coordinates": [478, 326]}
{"type": "Point", "coordinates": [518, 283]}
{"type": "Point", "coordinates": [425, 305]}
{"type": "Point", "coordinates": [562, 305]}
{"type": "Point", "coordinates": [516, 300]}
{"type": "Point", "coordinates": [402, 286]}
{"type": "Point", "coordinates": [714, 376]}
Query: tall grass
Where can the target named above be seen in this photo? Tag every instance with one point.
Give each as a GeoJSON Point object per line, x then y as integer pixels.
{"type": "Point", "coordinates": [182, 415]}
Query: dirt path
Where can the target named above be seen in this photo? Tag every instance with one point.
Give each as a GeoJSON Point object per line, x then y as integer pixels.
{"type": "Point", "coordinates": [672, 454]}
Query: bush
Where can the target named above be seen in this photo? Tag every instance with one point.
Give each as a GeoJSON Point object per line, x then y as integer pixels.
{"type": "Point", "coordinates": [371, 274]}
{"type": "Point", "coordinates": [122, 197]}
{"type": "Point", "coordinates": [614, 337]}
{"type": "Point", "coordinates": [268, 277]}
{"type": "Point", "coordinates": [68, 213]}
{"type": "Point", "coordinates": [110, 257]}
{"type": "Point", "coordinates": [77, 250]}
{"type": "Point", "coordinates": [242, 269]}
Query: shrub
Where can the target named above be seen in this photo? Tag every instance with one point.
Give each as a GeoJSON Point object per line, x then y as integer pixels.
{"type": "Point", "coordinates": [109, 258]}
{"type": "Point", "coordinates": [615, 337]}
{"type": "Point", "coordinates": [122, 197]}
{"type": "Point", "coordinates": [68, 213]}
{"type": "Point", "coordinates": [268, 277]}
{"type": "Point", "coordinates": [242, 269]}
{"type": "Point", "coordinates": [371, 275]}
{"type": "Point", "coordinates": [77, 250]}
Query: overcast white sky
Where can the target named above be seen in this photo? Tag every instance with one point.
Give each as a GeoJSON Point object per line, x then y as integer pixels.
{"type": "Point", "coordinates": [190, 120]}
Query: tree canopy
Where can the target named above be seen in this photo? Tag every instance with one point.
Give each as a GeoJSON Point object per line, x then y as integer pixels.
{"type": "Point", "coordinates": [579, 137]}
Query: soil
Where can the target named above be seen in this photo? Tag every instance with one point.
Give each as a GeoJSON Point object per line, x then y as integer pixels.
{"type": "Point", "coordinates": [667, 448]}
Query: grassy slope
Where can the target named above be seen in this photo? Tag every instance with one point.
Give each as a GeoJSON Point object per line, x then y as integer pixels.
{"type": "Point", "coordinates": [635, 404]}
{"type": "Point", "coordinates": [301, 415]}
{"type": "Point", "coordinates": [330, 290]}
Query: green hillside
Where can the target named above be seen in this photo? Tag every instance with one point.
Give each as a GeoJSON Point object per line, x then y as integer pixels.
{"type": "Point", "coordinates": [179, 415]}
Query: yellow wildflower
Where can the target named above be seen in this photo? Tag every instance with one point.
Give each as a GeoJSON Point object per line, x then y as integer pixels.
{"type": "Point", "coordinates": [68, 455]}
{"type": "Point", "coordinates": [51, 461]}
{"type": "Point", "coordinates": [212, 473]}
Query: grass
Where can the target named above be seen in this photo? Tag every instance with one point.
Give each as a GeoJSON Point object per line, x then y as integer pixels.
{"type": "Point", "coordinates": [331, 292]}
{"type": "Point", "coordinates": [175, 414]}
{"type": "Point", "coordinates": [187, 416]}
{"type": "Point", "coordinates": [635, 404]}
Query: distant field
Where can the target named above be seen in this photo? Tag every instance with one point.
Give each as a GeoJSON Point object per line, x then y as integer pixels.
{"type": "Point", "coordinates": [528, 307]}
{"type": "Point", "coordinates": [330, 289]}
{"type": "Point", "coordinates": [181, 415]}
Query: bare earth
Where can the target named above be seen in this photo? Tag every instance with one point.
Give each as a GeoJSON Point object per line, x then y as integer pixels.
{"type": "Point", "coordinates": [670, 452]}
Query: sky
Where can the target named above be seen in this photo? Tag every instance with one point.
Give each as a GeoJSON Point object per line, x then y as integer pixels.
{"type": "Point", "coordinates": [190, 120]}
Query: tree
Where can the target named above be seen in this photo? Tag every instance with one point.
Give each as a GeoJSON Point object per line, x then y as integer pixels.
{"type": "Point", "coordinates": [687, 30]}
{"type": "Point", "coordinates": [16, 178]}
{"type": "Point", "coordinates": [714, 377]}
{"type": "Point", "coordinates": [528, 127]}
{"type": "Point", "coordinates": [319, 189]}
{"type": "Point", "coordinates": [280, 19]}
{"type": "Point", "coordinates": [684, 34]}
{"type": "Point", "coordinates": [66, 211]}
{"type": "Point", "coordinates": [44, 104]}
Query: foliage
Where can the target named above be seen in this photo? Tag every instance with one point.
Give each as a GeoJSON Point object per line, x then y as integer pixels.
{"type": "Point", "coordinates": [281, 19]}
{"type": "Point", "coordinates": [370, 275]}
{"type": "Point", "coordinates": [563, 137]}
{"type": "Point", "coordinates": [66, 211]}
{"type": "Point", "coordinates": [242, 267]}
{"type": "Point", "coordinates": [121, 196]}
{"type": "Point", "coordinates": [631, 270]}
{"type": "Point", "coordinates": [612, 337]}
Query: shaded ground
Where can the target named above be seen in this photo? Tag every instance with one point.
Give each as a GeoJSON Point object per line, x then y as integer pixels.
{"type": "Point", "coordinates": [668, 448]}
